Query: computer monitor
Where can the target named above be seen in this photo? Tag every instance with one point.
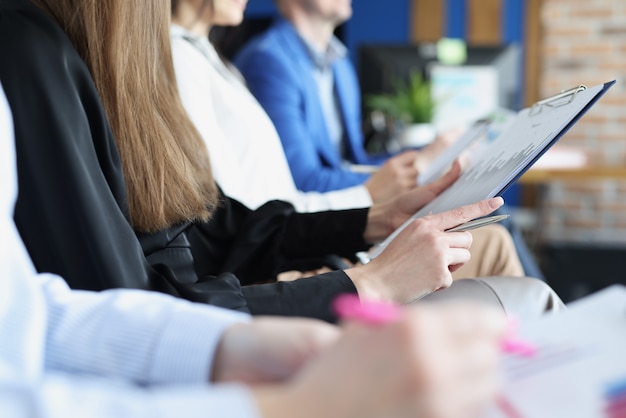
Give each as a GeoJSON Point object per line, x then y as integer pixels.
{"type": "Point", "coordinates": [381, 65]}
{"type": "Point", "coordinates": [492, 71]}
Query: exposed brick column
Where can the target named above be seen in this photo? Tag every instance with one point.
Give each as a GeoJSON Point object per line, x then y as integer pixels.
{"type": "Point", "coordinates": [584, 42]}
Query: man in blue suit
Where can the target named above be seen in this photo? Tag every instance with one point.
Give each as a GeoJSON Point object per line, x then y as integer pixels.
{"type": "Point", "coordinates": [301, 74]}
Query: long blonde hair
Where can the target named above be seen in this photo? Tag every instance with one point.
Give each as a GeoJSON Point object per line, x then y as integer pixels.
{"type": "Point", "coordinates": [126, 46]}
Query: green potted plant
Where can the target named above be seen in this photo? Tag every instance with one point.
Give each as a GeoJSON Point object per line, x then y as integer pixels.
{"type": "Point", "coordinates": [411, 108]}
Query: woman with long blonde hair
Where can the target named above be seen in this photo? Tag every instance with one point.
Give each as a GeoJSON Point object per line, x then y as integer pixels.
{"type": "Point", "coordinates": [92, 81]}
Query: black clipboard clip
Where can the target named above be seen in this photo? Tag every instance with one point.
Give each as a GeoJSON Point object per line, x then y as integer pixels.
{"type": "Point", "coordinates": [561, 99]}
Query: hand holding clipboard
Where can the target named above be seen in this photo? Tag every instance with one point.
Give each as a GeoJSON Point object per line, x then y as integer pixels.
{"type": "Point", "coordinates": [518, 147]}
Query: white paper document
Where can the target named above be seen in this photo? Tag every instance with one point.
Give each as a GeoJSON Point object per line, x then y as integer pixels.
{"type": "Point", "coordinates": [443, 162]}
{"type": "Point", "coordinates": [579, 370]}
{"type": "Point", "coordinates": [479, 135]}
{"type": "Point", "coordinates": [517, 147]}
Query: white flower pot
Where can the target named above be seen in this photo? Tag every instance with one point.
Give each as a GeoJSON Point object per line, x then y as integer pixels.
{"type": "Point", "coordinates": [417, 135]}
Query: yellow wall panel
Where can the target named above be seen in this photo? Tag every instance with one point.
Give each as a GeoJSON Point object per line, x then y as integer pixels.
{"type": "Point", "coordinates": [484, 22]}
{"type": "Point", "coordinates": [533, 49]}
{"type": "Point", "coordinates": [427, 20]}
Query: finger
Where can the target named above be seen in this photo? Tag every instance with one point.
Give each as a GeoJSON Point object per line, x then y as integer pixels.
{"type": "Point", "coordinates": [472, 390]}
{"type": "Point", "coordinates": [410, 171]}
{"type": "Point", "coordinates": [461, 239]}
{"type": "Point", "coordinates": [455, 256]}
{"type": "Point", "coordinates": [407, 157]}
{"type": "Point", "coordinates": [462, 214]}
{"type": "Point", "coordinates": [287, 276]}
{"type": "Point", "coordinates": [417, 198]}
{"type": "Point", "coordinates": [481, 354]}
{"type": "Point", "coordinates": [455, 267]}
{"type": "Point", "coordinates": [476, 321]}
{"type": "Point", "coordinates": [463, 159]}
{"type": "Point", "coordinates": [481, 381]}
{"type": "Point", "coordinates": [408, 176]}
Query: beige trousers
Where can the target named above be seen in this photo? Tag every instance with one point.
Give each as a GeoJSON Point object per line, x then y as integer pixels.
{"type": "Point", "coordinates": [493, 254]}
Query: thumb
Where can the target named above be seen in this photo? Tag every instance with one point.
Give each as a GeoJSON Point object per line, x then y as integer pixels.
{"type": "Point", "coordinates": [407, 157]}
{"type": "Point", "coordinates": [462, 214]}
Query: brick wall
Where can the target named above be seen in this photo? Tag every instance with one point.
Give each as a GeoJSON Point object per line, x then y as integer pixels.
{"type": "Point", "coordinates": [584, 41]}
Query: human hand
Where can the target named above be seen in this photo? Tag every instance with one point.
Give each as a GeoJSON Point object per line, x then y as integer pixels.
{"type": "Point", "coordinates": [421, 258]}
{"type": "Point", "coordinates": [437, 361]}
{"type": "Point", "coordinates": [398, 174]}
{"type": "Point", "coordinates": [269, 349]}
{"type": "Point", "coordinates": [383, 218]}
{"type": "Point", "coordinates": [431, 151]}
{"type": "Point", "coordinates": [291, 275]}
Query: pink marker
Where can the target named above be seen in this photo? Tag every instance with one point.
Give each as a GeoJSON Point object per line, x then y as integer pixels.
{"type": "Point", "coordinates": [512, 344]}
{"type": "Point", "coordinates": [349, 306]}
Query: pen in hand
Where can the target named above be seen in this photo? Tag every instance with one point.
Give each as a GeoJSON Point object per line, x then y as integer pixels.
{"type": "Point", "coordinates": [512, 344]}
{"type": "Point", "coordinates": [350, 307]}
{"type": "Point", "coordinates": [477, 223]}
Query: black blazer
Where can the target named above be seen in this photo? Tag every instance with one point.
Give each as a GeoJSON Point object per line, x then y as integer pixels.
{"type": "Point", "coordinates": [72, 208]}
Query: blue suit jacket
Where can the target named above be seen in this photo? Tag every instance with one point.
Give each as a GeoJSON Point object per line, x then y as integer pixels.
{"type": "Point", "coordinates": [279, 72]}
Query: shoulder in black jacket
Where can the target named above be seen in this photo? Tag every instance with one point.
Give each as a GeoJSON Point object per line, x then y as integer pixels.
{"type": "Point", "coordinates": [72, 209]}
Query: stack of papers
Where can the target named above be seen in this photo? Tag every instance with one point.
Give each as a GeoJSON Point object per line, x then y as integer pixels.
{"type": "Point", "coordinates": [579, 370]}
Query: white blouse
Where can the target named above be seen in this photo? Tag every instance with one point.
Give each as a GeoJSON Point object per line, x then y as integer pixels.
{"type": "Point", "coordinates": [246, 154]}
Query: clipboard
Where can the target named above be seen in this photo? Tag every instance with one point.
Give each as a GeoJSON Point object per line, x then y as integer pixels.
{"type": "Point", "coordinates": [496, 167]}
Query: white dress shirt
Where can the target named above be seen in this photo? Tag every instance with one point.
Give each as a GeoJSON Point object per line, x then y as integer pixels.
{"type": "Point", "coordinates": [116, 353]}
{"type": "Point", "coordinates": [323, 76]}
{"type": "Point", "coordinates": [247, 157]}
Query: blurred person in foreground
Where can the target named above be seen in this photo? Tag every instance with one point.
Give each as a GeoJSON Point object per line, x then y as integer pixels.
{"type": "Point", "coordinates": [131, 353]}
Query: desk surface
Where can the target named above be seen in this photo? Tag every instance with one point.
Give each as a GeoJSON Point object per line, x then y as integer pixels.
{"type": "Point", "coordinates": [542, 175]}
{"type": "Point", "coordinates": [563, 162]}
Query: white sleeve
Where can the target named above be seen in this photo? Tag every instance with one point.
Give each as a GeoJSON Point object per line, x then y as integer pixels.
{"type": "Point", "coordinates": [122, 334]}
{"type": "Point", "coordinates": [349, 198]}
{"type": "Point", "coordinates": [144, 337]}
{"type": "Point", "coordinates": [62, 396]}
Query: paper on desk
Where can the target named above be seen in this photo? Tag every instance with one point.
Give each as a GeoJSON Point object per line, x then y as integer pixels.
{"type": "Point", "coordinates": [582, 353]}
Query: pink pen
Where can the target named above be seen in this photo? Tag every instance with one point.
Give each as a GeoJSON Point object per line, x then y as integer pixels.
{"type": "Point", "coordinates": [349, 306]}
{"type": "Point", "coordinates": [512, 344]}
